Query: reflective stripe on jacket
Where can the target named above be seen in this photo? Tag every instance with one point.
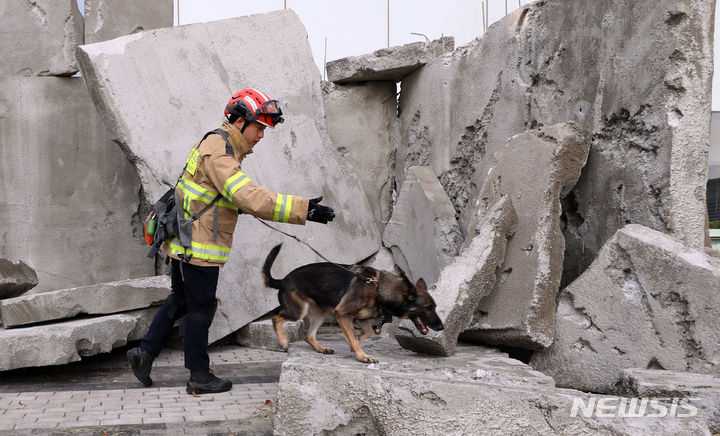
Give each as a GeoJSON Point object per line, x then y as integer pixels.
{"type": "Point", "coordinates": [210, 171]}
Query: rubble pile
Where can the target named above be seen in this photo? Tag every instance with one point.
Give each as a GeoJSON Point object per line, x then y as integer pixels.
{"type": "Point", "coordinates": [546, 180]}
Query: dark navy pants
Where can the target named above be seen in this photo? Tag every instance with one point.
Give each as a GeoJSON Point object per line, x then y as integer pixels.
{"type": "Point", "coordinates": [193, 294]}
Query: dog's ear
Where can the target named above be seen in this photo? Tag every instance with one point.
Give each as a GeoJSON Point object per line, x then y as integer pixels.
{"type": "Point", "coordinates": [421, 285]}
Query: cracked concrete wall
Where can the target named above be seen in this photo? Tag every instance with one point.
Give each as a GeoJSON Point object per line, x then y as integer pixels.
{"type": "Point", "coordinates": [109, 19]}
{"type": "Point", "coordinates": [646, 302]}
{"type": "Point", "coordinates": [637, 75]}
{"type": "Point", "coordinates": [39, 37]}
{"type": "Point", "coordinates": [70, 198]}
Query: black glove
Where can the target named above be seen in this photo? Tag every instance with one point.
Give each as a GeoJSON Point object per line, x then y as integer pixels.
{"type": "Point", "coordinates": [319, 213]}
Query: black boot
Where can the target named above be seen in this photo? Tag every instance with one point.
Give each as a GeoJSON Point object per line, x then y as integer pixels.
{"type": "Point", "coordinates": [203, 381]}
{"type": "Point", "coordinates": [141, 363]}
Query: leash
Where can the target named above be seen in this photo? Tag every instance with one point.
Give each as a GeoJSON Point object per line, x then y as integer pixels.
{"type": "Point", "coordinates": [368, 280]}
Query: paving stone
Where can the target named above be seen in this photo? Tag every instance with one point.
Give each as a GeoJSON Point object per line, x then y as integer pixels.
{"type": "Point", "coordinates": [422, 233]}
{"type": "Point", "coordinates": [388, 64]}
{"type": "Point", "coordinates": [104, 298]}
{"type": "Point", "coordinates": [646, 302]}
{"type": "Point", "coordinates": [407, 393]}
{"type": "Point", "coordinates": [120, 70]}
{"type": "Point", "coordinates": [39, 37]}
{"type": "Point", "coordinates": [108, 19]}
{"type": "Point", "coordinates": [520, 310]}
{"type": "Point", "coordinates": [261, 334]}
{"type": "Point", "coordinates": [463, 283]}
{"type": "Point", "coordinates": [16, 278]}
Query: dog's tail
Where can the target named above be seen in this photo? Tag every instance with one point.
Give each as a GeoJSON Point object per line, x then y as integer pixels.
{"type": "Point", "coordinates": [269, 280]}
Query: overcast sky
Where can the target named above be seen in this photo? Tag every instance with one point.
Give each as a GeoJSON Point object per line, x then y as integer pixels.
{"type": "Point", "coordinates": [359, 27]}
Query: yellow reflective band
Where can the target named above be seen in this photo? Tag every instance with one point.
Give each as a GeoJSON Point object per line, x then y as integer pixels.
{"type": "Point", "coordinates": [278, 206]}
{"type": "Point", "coordinates": [192, 161]}
{"type": "Point", "coordinates": [201, 251]}
{"type": "Point", "coordinates": [193, 191]}
{"type": "Point", "coordinates": [285, 214]}
{"type": "Point", "coordinates": [233, 183]}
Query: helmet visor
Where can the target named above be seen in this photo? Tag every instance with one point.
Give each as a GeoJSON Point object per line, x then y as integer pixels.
{"type": "Point", "coordinates": [270, 113]}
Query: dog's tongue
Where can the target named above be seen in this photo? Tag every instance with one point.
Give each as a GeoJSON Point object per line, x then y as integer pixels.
{"type": "Point", "coordinates": [423, 327]}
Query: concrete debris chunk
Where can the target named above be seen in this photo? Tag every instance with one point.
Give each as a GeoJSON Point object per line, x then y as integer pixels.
{"type": "Point", "coordinates": [422, 233]}
{"type": "Point", "coordinates": [684, 393]}
{"type": "Point", "coordinates": [64, 342]}
{"type": "Point", "coordinates": [39, 37]}
{"type": "Point", "coordinates": [261, 334]}
{"type": "Point", "coordinates": [108, 19]}
{"type": "Point", "coordinates": [104, 298]}
{"type": "Point", "coordinates": [636, 75]}
{"type": "Point", "coordinates": [16, 278]}
{"type": "Point", "coordinates": [470, 277]}
{"type": "Point", "coordinates": [369, 140]}
{"type": "Point", "coordinates": [128, 80]}
{"type": "Point", "coordinates": [477, 390]}
{"type": "Point", "coordinates": [646, 302]}
{"type": "Point", "coordinates": [390, 64]}
{"type": "Point", "coordinates": [70, 201]}
{"type": "Point", "coordinates": [535, 169]}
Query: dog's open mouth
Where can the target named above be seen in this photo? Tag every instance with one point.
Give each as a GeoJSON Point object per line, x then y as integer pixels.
{"type": "Point", "coordinates": [419, 324]}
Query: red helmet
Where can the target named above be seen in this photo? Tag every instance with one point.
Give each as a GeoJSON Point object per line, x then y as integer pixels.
{"type": "Point", "coordinates": [254, 105]}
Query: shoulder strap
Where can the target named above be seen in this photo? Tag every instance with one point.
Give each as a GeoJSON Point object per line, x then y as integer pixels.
{"type": "Point", "coordinates": [228, 150]}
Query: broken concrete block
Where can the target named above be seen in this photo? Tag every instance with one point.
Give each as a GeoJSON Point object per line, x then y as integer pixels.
{"type": "Point", "coordinates": [463, 283]}
{"type": "Point", "coordinates": [362, 124]}
{"type": "Point", "coordinates": [105, 298]}
{"type": "Point", "coordinates": [690, 393]}
{"type": "Point", "coordinates": [646, 302]}
{"type": "Point", "coordinates": [64, 342]}
{"type": "Point", "coordinates": [261, 334]}
{"type": "Point", "coordinates": [108, 19]}
{"type": "Point", "coordinates": [422, 233]}
{"type": "Point", "coordinates": [85, 229]}
{"type": "Point", "coordinates": [476, 390]}
{"type": "Point", "coordinates": [128, 79]}
{"type": "Point", "coordinates": [629, 72]}
{"type": "Point", "coordinates": [536, 169]}
{"type": "Point", "coordinates": [39, 37]}
{"type": "Point", "coordinates": [389, 64]}
{"type": "Point", "coordinates": [16, 278]}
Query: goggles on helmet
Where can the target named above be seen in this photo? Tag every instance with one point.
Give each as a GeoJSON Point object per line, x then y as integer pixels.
{"type": "Point", "coordinates": [270, 109]}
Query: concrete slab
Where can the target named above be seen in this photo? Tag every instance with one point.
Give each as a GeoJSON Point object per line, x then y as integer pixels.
{"type": "Point", "coordinates": [629, 72]}
{"type": "Point", "coordinates": [463, 283]}
{"type": "Point", "coordinates": [105, 298]}
{"type": "Point", "coordinates": [295, 158]}
{"type": "Point", "coordinates": [388, 64]}
{"type": "Point", "coordinates": [689, 392]}
{"type": "Point", "coordinates": [363, 125]}
{"type": "Point", "coordinates": [108, 19]}
{"type": "Point", "coordinates": [422, 233]}
{"type": "Point", "coordinates": [39, 37]}
{"type": "Point", "coordinates": [59, 343]}
{"type": "Point", "coordinates": [646, 302]}
{"type": "Point", "coordinates": [71, 199]}
{"type": "Point", "coordinates": [261, 334]}
{"type": "Point", "coordinates": [520, 311]}
{"type": "Point", "coordinates": [475, 390]}
{"type": "Point", "coordinates": [16, 278]}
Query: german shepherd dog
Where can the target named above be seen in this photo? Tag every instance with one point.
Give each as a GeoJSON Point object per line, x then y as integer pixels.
{"type": "Point", "coordinates": [311, 291]}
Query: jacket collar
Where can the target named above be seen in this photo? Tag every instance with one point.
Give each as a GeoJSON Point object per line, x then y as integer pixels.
{"type": "Point", "coordinates": [237, 140]}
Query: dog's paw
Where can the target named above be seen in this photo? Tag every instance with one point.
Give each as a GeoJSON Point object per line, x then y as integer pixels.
{"type": "Point", "coordinates": [328, 351]}
{"type": "Point", "coordinates": [366, 358]}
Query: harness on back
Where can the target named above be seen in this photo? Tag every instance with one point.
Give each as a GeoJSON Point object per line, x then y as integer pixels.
{"type": "Point", "coordinates": [170, 220]}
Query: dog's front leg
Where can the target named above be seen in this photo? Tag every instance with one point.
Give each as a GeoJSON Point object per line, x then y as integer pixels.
{"type": "Point", "coordinates": [347, 328]}
{"type": "Point", "coordinates": [366, 329]}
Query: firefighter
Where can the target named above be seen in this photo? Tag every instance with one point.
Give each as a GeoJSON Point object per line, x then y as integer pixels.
{"type": "Point", "coordinates": [214, 167]}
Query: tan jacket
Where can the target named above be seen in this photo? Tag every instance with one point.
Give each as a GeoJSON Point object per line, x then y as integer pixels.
{"type": "Point", "coordinates": [211, 170]}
